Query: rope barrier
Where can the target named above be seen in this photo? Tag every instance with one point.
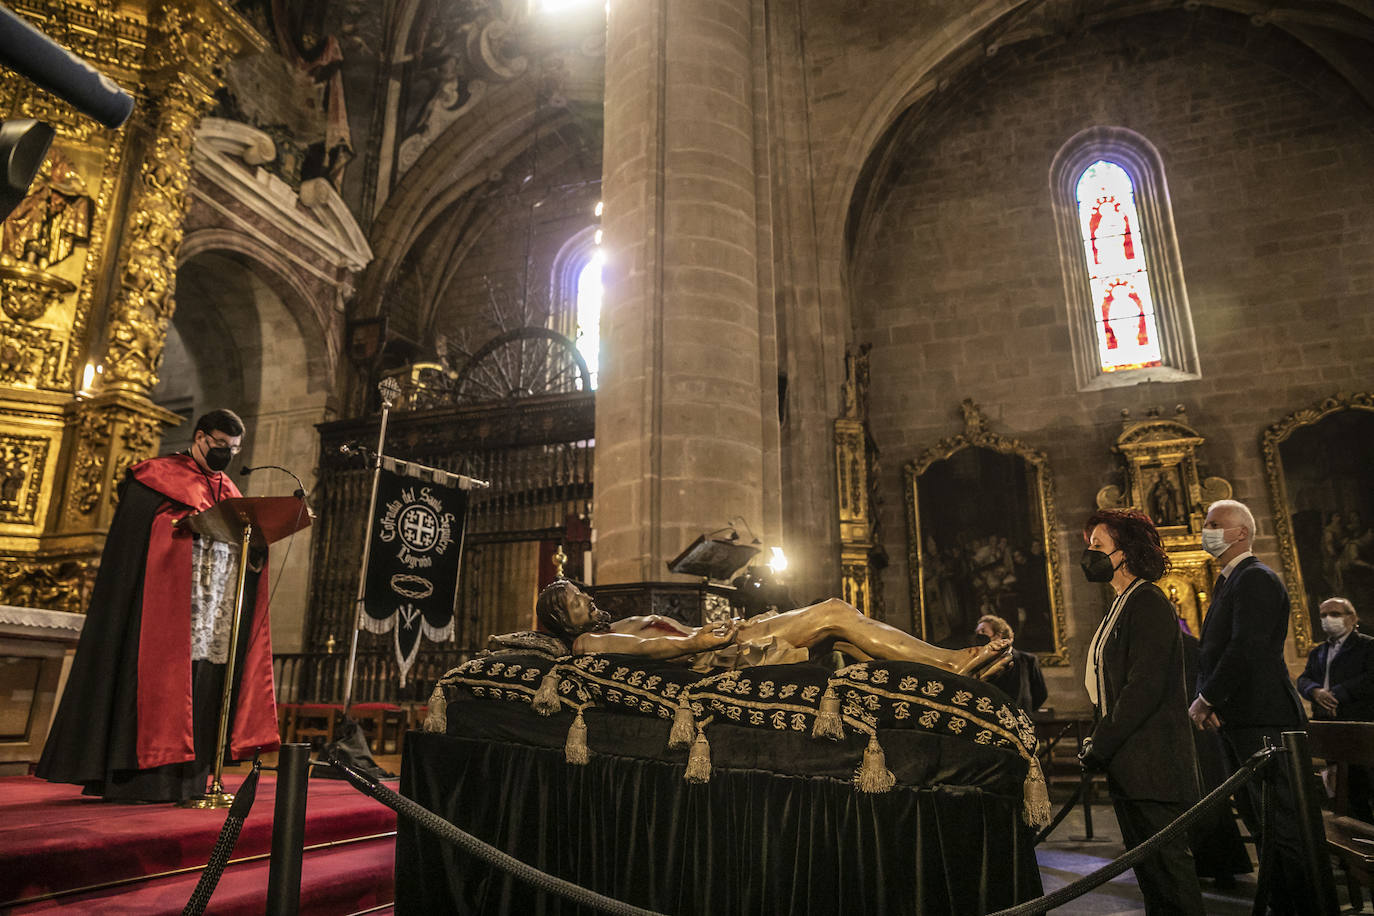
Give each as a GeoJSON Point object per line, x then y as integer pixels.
{"type": "Point", "coordinates": [582, 896]}
{"type": "Point", "coordinates": [224, 845]}
{"type": "Point", "coordinates": [487, 853]}
{"type": "Point", "coordinates": [1076, 889]}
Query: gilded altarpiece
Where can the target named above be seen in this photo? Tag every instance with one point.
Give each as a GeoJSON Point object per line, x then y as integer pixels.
{"type": "Point", "coordinates": [1163, 481]}
{"type": "Point", "coordinates": [87, 272]}
{"type": "Point", "coordinates": [856, 473]}
{"type": "Point", "coordinates": [981, 524]}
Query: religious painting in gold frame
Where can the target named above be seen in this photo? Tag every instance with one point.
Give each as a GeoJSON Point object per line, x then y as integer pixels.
{"type": "Point", "coordinates": [1320, 465]}
{"type": "Point", "coordinates": [980, 540]}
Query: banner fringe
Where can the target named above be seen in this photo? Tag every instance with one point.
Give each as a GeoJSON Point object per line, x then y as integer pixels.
{"type": "Point", "coordinates": [402, 662]}
{"type": "Point", "coordinates": [373, 625]}
{"type": "Point", "coordinates": [437, 634]}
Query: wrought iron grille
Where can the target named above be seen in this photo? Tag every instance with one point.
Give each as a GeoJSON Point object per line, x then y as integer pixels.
{"type": "Point", "coordinates": [536, 452]}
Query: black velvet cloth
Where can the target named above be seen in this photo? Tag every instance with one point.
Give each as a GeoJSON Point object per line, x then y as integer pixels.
{"type": "Point", "coordinates": [627, 824]}
{"type": "Point", "coordinates": [774, 698]}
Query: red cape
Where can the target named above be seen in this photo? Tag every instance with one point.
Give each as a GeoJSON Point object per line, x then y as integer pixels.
{"type": "Point", "coordinates": [164, 647]}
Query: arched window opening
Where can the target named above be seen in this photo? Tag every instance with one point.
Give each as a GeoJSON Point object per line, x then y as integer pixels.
{"type": "Point", "coordinates": [1129, 319]}
{"type": "Point", "coordinates": [588, 337]}
{"type": "Point", "coordinates": [1118, 274]}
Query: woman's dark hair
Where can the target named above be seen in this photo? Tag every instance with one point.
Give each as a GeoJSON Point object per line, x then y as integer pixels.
{"type": "Point", "coordinates": [222, 420]}
{"type": "Point", "coordinates": [551, 610]}
{"type": "Point", "coordinates": [1135, 537]}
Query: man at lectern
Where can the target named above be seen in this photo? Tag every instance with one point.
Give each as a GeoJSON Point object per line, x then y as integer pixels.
{"type": "Point", "coordinates": [139, 718]}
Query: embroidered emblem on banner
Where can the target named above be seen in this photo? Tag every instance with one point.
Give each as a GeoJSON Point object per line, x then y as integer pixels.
{"type": "Point", "coordinates": [417, 525]}
{"type": "Point", "coordinates": [414, 562]}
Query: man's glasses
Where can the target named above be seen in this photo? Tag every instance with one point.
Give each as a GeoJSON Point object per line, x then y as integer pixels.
{"type": "Point", "coordinates": [219, 443]}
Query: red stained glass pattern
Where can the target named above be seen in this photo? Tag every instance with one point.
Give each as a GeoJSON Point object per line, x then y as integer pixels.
{"type": "Point", "coordinates": [1117, 274]}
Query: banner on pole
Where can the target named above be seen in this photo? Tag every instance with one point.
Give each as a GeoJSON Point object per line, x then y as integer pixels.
{"type": "Point", "coordinates": [415, 557]}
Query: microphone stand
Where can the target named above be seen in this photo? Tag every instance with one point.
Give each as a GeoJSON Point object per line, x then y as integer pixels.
{"type": "Point", "coordinates": [300, 484]}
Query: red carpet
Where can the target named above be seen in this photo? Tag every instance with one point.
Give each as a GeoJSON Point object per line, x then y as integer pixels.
{"type": "Point", "coordinates": [54, 840]}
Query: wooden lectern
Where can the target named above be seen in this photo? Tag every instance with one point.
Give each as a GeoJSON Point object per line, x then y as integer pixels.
{"type": "Point", "coordinates": [250, 521]}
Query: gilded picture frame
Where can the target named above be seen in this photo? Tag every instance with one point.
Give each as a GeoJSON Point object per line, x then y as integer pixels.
{"type": "Point", "coordinates": [1319, 462]}
{"type": "Point", "coordinates": [980, 539]}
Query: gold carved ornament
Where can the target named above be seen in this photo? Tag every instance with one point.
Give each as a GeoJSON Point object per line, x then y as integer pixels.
{"type": "Point", "coordinates": [183, 52]}
{"type": "Point", "coordinates": [61, 584]}
{"type": "Point", "coordinates": [852, 465]}
{"type": "Point", "coordinates": [977, 435]}
{"type": "Point", "coordinates": [140, 436]}
{"type": "Point", "coordinates": [42, 232]}
{"type": "Point", "coordinates": [22, 461]}
{"type": "Point", "coordinates": [1272, 439]}
{"type": "Point", "coordinates": [93, 434]}
{"type": "Point", "coordinates": [1163, 481]}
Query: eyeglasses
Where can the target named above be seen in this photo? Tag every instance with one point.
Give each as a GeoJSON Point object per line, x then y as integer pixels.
{"type": "Point", "coordinates": [220, 443]}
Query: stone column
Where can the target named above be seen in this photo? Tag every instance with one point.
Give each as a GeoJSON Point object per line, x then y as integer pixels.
{"type": "Point", "coordinates": [683, 402]}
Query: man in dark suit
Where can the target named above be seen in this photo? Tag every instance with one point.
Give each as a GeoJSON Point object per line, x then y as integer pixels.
{"type": "Point", "coordinates": [1243, 685]}
{"type": "Point", "coordinates": [1022, 680]}
{"type": "Point", "coordinates": [1339, 682]}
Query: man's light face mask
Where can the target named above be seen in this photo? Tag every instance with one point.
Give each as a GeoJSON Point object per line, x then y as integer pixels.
{"type": "Point", "coordinates": [1337, 621]}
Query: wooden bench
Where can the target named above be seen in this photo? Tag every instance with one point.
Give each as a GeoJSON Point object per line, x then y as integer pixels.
{"type": "Point", "coordinates": [1349, 839]}
{"type": "Point", "coordinates": [383, 723]}
{"type": "Point", "coordinates": [309, 722]}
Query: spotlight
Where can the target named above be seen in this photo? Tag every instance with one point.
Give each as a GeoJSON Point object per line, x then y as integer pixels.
{"type": "Point", "coordinates": [23, 145]}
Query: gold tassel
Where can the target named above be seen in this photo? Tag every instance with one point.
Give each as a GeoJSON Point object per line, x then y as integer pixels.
{"type": "Point", "coordinates": [436, 719]}
{"type": "Point", "coordinates": [1036, 796]}
{"type": "Point", "coordinates": [873, 776]}
{"type": "Point", "coordinates": [684, 724]}
{"type": "Point", "coordinates": [828, 722]}
{"type": "Point", "coordinates": [546, 697]}
{"type": "Point", "coordinates": [699, 760]}
{"type": "Point", "coordinates": [575, 750]}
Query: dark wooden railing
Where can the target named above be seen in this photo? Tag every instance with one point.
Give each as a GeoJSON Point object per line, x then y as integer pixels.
{"type": "Point", "coordinates": [318, 677]}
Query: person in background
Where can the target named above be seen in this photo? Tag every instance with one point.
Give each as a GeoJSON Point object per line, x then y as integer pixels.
{"type": "Point", "coordinates": [1134, 677]}
{"type": "Point", "coordinates": [1243, 687]}
{"type": "Point", "coordinates": [1021, 680]}
{"type": "Point", "coordinates": [1339, 683]}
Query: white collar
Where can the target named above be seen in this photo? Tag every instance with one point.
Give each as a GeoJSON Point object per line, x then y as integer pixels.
{"type": "Point", "coordinates": [1226, 573]}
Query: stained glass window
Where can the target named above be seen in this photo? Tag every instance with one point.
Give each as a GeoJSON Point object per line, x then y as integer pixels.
{"type": "Point", "coordinates": [588, 338]}
{"type": "Point", "coordinates": [1123, 310]}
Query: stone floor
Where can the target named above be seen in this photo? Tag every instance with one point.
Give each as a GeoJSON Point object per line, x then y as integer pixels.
{"type": "Point", "coordinates": [1066, 856]}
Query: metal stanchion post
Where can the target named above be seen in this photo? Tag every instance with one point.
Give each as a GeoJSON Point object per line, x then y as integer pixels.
{"type": "Point", "coordinates": [1087, 806]}
{"type": "Point", "coordinates": [1311, 834]}
{"type": "Point", "coordinates": [288, 831]}
{"type": "Point", "coordinates": [1087, 791]}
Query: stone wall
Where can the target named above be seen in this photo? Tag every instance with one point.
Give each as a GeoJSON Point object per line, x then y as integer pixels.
{"type": "Point", "coordinates": [1270, 165]}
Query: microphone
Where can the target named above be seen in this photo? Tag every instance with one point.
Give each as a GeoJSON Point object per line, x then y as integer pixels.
{"type": "Point", "coordinates": [30, 53]}
{"type": "Point", "coordinates": [300, 485]}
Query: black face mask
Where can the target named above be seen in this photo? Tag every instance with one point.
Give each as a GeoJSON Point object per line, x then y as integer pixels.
{"type": "Point", "coordinates": [981, 639]}
{"type": "Point", "coordinates": [1097, 566]}
{"type": "Point", "coordinates": [218, 458]}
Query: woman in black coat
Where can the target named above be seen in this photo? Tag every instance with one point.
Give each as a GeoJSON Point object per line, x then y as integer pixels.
{"type": "Point", "coordinates": [1142, 738]}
